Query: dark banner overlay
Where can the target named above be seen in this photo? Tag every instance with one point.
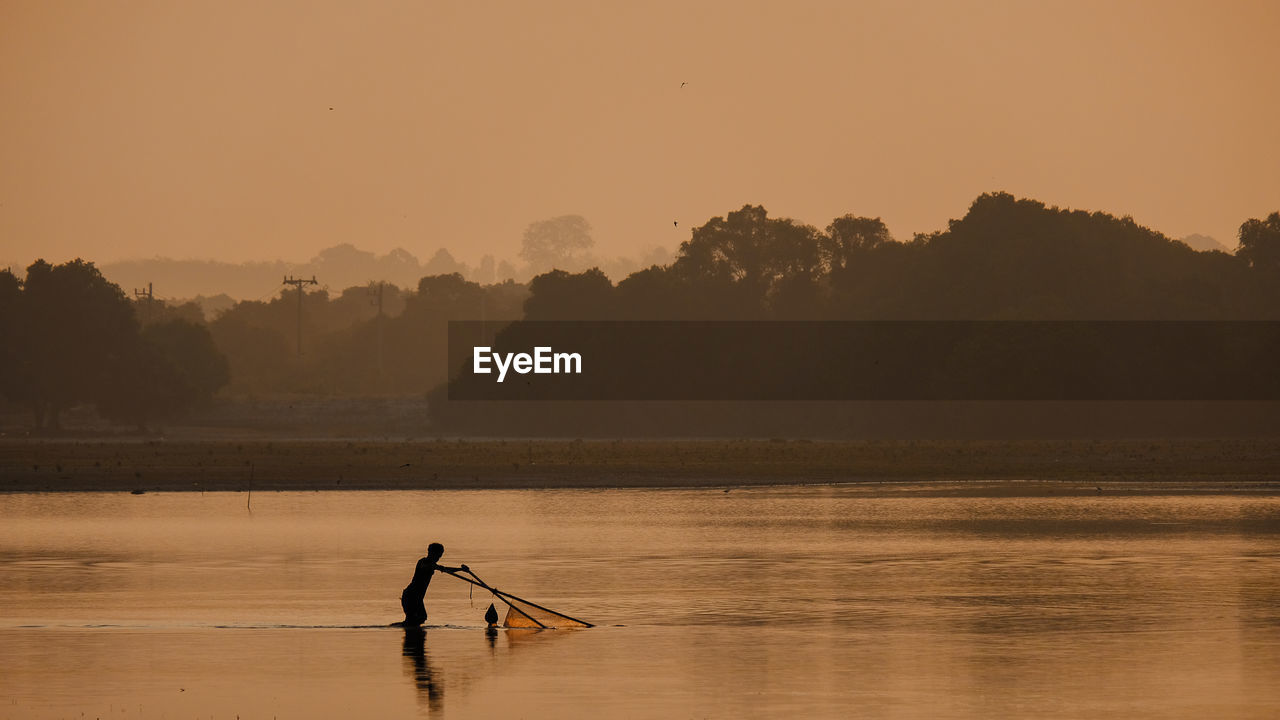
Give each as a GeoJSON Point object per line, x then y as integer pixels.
{"type": "Point", "coordinates": [907, 360]}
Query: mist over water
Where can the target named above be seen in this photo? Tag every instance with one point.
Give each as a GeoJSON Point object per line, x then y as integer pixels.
{"type": "Point", "coordinates": [816, 601]}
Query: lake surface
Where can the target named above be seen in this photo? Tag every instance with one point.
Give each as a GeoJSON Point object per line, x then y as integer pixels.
{"type": "Point", "coordinates": [772, 602]}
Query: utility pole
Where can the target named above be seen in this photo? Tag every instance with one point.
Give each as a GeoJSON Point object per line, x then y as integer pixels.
{"type": "Point", "coordinates": [376, 291]}
{"type": "Point", "coordinates": [139, 296]}
{"type": "Point", "coordinates": [298, 283]}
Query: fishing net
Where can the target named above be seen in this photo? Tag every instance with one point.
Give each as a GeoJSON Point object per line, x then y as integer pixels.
{"type": "Point", "coordinates": [525, 615]}
{"type": "Point", "coordinates": [520, 612]}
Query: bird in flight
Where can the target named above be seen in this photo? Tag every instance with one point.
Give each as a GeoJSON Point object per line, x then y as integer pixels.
{"type": "Point", "coordinates": [675, 223]}
{"type": "Point", "coordinates": [683, 84]}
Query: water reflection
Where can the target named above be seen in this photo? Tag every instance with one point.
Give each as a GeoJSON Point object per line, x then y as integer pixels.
{"type": "Point", "coordinates": [796, 602]}
{"type": "Point", "coordinates": [465, 668]}
{"type": "Point", "coordinates": [426, 678]}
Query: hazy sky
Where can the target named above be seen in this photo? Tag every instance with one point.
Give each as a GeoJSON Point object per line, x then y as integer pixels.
{"type": "Point", "coordinates": [262, 130]}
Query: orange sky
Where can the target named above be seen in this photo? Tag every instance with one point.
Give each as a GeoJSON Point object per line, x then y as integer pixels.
{"type": "Point", "coordinates": [204, 128]}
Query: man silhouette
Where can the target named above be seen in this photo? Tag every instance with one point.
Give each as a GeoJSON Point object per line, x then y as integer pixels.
{"type": "Point", "coordinates": [415, 612]}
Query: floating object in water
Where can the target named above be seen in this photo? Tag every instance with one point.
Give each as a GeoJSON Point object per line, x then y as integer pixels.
{"type": "Point", "coordinates": [491, 615]}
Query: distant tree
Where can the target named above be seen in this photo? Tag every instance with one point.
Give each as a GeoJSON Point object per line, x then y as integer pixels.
{"type": "Point", "coordinates": [559, 295]}
{"type": "Point", "coordinates": [618, 267]}
{"type": "Point", "coordinates": [72, 337]}
{"type": "Point", "coordinates": [1014, 258]}
{"type": "Point", "coordinates": [151, 311]}
{"type": "Point", "coordinates": [505, 300]}
{"type": "Point", "coordinates": [174, 368]}
{"type": "Point", "coordinates": [75, 331]}
{"type": "Point", "coordinates": [360, 303]}
{"type": "Point", "coordinates": [747, 254]}
{"type": "Point", "coordinates": [556, 244]}
{"type": "Point", "coordinates": [344, 258]}
{"type": "Point", "coordinates": [621, 267]}
{"type": "Point", "coordinates": [446, 297]}
{"type": "Point", "coordinates": [486, 274]}
{"type": "Point", "coordinates": [144, 387]}
{"type": "Point", "coordinates": [656, 293]}
{"type": "Point", "coordinates": [189, 347]}
{"type": "Point", "coordinates": [1203, 243]}
{"type": "Point", "coordinates": [443, 263]}
{"type": "Point", "coordinates": [1260, 243]}
{"type": "Point", "coordinates": [211, 306]}
{"type": "Point", "coordinates": [419, 337]}
{"type": "Point", "coordinates": [196, 277]}
{"type": "Point", "coordinates": [505, 271]}
{"type": "Point", "coordinates": [849, 236]}
{"type": "Point", "coordinates": [261, 359]}
{"type": "Point", "coordinates": [399, 257]}
{"type": "Point", "coordinates": [400, 267]}
{"type": "Point", "coordinates": [12, 372]}
{"type": "Point", "coordinates": [656, 255]}
{"type": "Point", "coordinates": [748, 246]}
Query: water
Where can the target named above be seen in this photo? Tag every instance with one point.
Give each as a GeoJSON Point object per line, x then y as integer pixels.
{"type": "Point", "coordinates": [775, 602]}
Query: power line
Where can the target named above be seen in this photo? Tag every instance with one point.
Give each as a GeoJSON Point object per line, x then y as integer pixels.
{"type": "Point", "coordinates": [298, 283]}
{"type": "Point", "coordinates": [149, 296]}
{"type": "Point", "coordinates": [266, 294]}
{"type": "Point", "coordinates": [376, 291]}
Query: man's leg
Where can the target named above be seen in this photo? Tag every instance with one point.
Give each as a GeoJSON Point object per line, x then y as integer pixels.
{"type": "Point", "coordinates": [415, 613]}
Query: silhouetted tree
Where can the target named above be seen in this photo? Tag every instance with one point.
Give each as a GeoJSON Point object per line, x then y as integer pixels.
{"type": "Point", "coordinates": [399, 267]}
{"type": "Point", "coordinates": [559, 295]}
{"type": "Point", "coordinates": [260, 356]}
{"type": "Point", "coordinates": [12, 372]}
{"type": "Point", "coordinates": [75, 330]}
{"type": "Point", "coordinates": [443, 263]}
{"type": "Point", "coordinates": [556, 244]}
{"type": "Point", "coordinates": [344, 260]}
{"type": "Point", "coordinates": [446, 297]}
{"type": "Point", "coordinates": [744, 256]}
{"type": "Point", "coordinates": [212, 306]}
{"type": "Point", "coordinates": [151, 311]}
{"type": "Point", "coordinates": [1260, 243]}
{"type": "Point", "coordinates": [419, 337]}
{"type": "Point", "coordinates": [505, 271]}
{"type": "Point", "coordinates": [190, 349]}
{"type": "Point", "coordinates": [656, 293]}
{"type": "Point", "coordinates": [174, 368]}
{"type": "Point", "coordinates": [485, 273]}
{"type": "Point", "coordinates": [848, 237]}
{"type": "Point", "coordinates": [359, 304]}
{"type": "Point", "coordinates": [1011, 258]}
{"type": "Point", "coordinates": [1203, 243]}
{"type": "Point", "coordinates": [69, 334]}
{"type": "Point", "coordinates": [144, 387]}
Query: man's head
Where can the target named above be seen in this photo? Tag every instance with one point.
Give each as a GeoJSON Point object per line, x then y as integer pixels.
{"type": "Point", "coordinates": [434, 551]}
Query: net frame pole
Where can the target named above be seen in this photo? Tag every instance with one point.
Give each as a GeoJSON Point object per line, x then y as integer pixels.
{"type": "Point", "coordinates": [504, 597]}
{"type": "Point", "coordinates": [501, 596]}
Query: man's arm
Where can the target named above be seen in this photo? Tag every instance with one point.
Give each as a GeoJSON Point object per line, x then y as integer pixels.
{"type": "Point", "coordinates": [446, 568]}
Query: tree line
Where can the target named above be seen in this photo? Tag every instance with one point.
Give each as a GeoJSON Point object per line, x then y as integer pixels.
{"type": "Point", "coordinates": [72, 337]}
{"type": "Point", "coordinates": [564, 242]}
{"type": "Point", "coordinates": [1006, 259]}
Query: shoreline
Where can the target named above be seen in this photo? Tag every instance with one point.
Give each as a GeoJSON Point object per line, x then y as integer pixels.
{"type": "Point", "coordinates": [959, 467]}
